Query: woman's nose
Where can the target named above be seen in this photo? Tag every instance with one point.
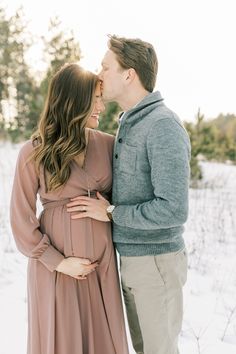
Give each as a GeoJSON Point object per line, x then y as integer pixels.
{"type": "Point", "coordinates": [101, 107]}
{"type": "Point", "coordinates": [100, 75]}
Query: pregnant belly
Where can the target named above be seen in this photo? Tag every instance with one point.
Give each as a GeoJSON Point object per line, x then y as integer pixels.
{"type": "Point", "coordinates": [86, 238]}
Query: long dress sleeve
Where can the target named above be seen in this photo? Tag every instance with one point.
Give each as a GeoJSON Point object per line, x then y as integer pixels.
{"type": "Point", "coordinates": [25, 225]}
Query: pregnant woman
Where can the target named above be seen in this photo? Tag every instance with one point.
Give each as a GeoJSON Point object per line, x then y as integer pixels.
{"type": "Point", "coordinates": [74, 299]}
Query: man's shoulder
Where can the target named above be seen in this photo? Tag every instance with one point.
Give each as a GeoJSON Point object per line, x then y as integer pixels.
{"type": "Point", "coordinates": [162, 116]}
{"type": "Point", "coordinates": [161, 111]}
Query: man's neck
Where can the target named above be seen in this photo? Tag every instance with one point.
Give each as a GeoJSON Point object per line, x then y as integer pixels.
{"type": "Point", "coordinates": [128, 101]}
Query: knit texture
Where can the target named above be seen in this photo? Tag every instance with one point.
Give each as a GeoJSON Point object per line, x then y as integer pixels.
{"type": "Point", "coordinates": [150, 180]}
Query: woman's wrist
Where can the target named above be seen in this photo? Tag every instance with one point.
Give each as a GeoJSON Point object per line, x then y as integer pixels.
{"type": "Point", "coordinates": [60, 266]}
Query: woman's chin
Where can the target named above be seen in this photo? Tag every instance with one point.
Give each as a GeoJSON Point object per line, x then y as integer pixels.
{"type": "Point", "coordinates": [93, 125]}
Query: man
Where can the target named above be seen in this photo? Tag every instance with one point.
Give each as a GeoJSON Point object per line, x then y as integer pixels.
{"type": "Point", "coordinates": [150, 197]}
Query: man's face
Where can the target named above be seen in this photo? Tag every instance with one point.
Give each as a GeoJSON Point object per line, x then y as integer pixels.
{"type": "Point", "coordinates": [113, 78]}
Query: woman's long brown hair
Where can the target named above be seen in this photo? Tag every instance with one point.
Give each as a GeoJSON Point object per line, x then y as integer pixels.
{"type": "Point", "coordinates": [61, 132]}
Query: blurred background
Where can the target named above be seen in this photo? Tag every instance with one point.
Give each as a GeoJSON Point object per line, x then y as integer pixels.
{"type": "Point", "coordinates": [195, 44]}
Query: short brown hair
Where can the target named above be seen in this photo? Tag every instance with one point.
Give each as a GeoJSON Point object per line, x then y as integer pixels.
{"type": "Point", "coordinates": [136, 54]}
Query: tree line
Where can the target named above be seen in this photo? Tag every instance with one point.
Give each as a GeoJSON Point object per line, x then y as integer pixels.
{"type": "Point", "coordinates": [212, 140]}
{"type": "Point", "coordinates": [22, 92]}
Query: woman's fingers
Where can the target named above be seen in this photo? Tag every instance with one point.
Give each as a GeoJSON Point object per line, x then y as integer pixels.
{"type": "Point", "coordinates": [83, 215]}
{"type": "Point", "coordinates": [78, 267]}
{"type": "Point", "coordinates": [80, 277]}
{"type": "Point", "coordinates": [78, 208]}
{"type": "Point", "coordinates": [84, 261]}
{"type": "Point", "coordinates": [80, 199]}
{"type": "Point", "coordinates": [88, 268]}
{"type": "Point", "coordinates": [91, 267]}
{"type": "Point", "coordinates": [84, 276]}
{"type": "Point", "coordinates": [78, 203]}
{"type": "Point", "coordinates": [100, 196]}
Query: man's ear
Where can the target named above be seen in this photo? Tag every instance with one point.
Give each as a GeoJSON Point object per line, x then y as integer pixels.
{"type": "Point", "coordinates": [130, 74]}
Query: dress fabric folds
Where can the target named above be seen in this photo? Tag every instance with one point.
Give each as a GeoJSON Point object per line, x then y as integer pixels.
{"type": "Point", "coordinates": [65, 315]}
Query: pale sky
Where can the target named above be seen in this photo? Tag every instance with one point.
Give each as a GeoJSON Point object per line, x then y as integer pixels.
{"type": "Point", "coordinates": [195, 42]}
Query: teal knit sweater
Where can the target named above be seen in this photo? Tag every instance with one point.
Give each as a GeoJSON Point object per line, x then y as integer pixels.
{"type": "Point", "coordinates": [150, 180]}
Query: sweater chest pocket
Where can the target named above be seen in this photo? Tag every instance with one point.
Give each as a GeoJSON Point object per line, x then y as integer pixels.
{"type": "Point", "coordinates": [128, 157]}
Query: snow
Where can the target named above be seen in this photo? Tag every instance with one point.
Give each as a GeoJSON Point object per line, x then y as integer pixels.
{"type": "Point", "coordinates": [209, 325]}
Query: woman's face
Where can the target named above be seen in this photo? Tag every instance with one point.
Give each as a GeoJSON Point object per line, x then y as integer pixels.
{"type": "Point", "coordinates": [93, 120]}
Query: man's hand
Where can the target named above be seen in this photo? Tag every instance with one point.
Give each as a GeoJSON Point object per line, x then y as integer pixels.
{"type": "Point", "coordinates": [89, 207]}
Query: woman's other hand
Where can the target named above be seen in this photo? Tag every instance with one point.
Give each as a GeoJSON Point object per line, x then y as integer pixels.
{"type": "Point", "coordinates": [77, 268]}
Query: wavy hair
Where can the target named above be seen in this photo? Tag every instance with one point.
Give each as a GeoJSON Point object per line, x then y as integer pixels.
{"type": "Point", "coordinates": [61, 131]}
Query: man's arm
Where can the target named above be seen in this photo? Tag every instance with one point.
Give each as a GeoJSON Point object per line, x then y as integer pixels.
{"type": "Point", "coordinates": [168, 153]}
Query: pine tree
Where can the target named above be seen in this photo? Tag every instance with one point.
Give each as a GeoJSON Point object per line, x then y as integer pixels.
{"type": "Point", "coordinates": [18, 87]}
{"type": "Point", "coordinates": [109, 118]}
{"type": "Point", "coordinates": [61, 48]}
{"type": "Point", "coordinates": [4, 68]}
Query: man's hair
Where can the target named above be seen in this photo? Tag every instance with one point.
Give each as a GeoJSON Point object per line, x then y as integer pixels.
{"type": "Point", "coordinates": [136, 54]}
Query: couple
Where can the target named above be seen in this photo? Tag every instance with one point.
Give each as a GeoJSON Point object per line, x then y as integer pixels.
{"type": "Point", "coordinates": [74, 298]}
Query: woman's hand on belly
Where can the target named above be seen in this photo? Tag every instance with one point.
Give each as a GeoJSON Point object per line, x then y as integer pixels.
{"type": "Point", "coordinates": [76, 267]}
{"type": "Point", "coordinates": [89, 207]}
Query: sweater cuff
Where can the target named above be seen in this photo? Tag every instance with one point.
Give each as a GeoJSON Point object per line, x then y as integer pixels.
{"type": "Point", "coordinates": [51, 258]}
{"type": "Point", "coordinates": [117, 215]}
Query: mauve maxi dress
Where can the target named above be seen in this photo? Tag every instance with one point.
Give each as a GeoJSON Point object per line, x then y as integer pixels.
{"type": "Point", "coordinates": [68, 316]}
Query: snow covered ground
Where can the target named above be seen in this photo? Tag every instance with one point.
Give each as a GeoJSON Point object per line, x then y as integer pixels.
{"type": "Point", "coordinates": [209, 325]}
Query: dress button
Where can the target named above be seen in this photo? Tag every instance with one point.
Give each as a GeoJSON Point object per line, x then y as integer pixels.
{"type": "Point", "coordinates": [120, 140]}
{"type": "Point", "coordinates": [116, 156]}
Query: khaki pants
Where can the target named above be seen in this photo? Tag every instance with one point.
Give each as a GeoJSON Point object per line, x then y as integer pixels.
{"type": "Point", "coordinates": [152, 289]}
